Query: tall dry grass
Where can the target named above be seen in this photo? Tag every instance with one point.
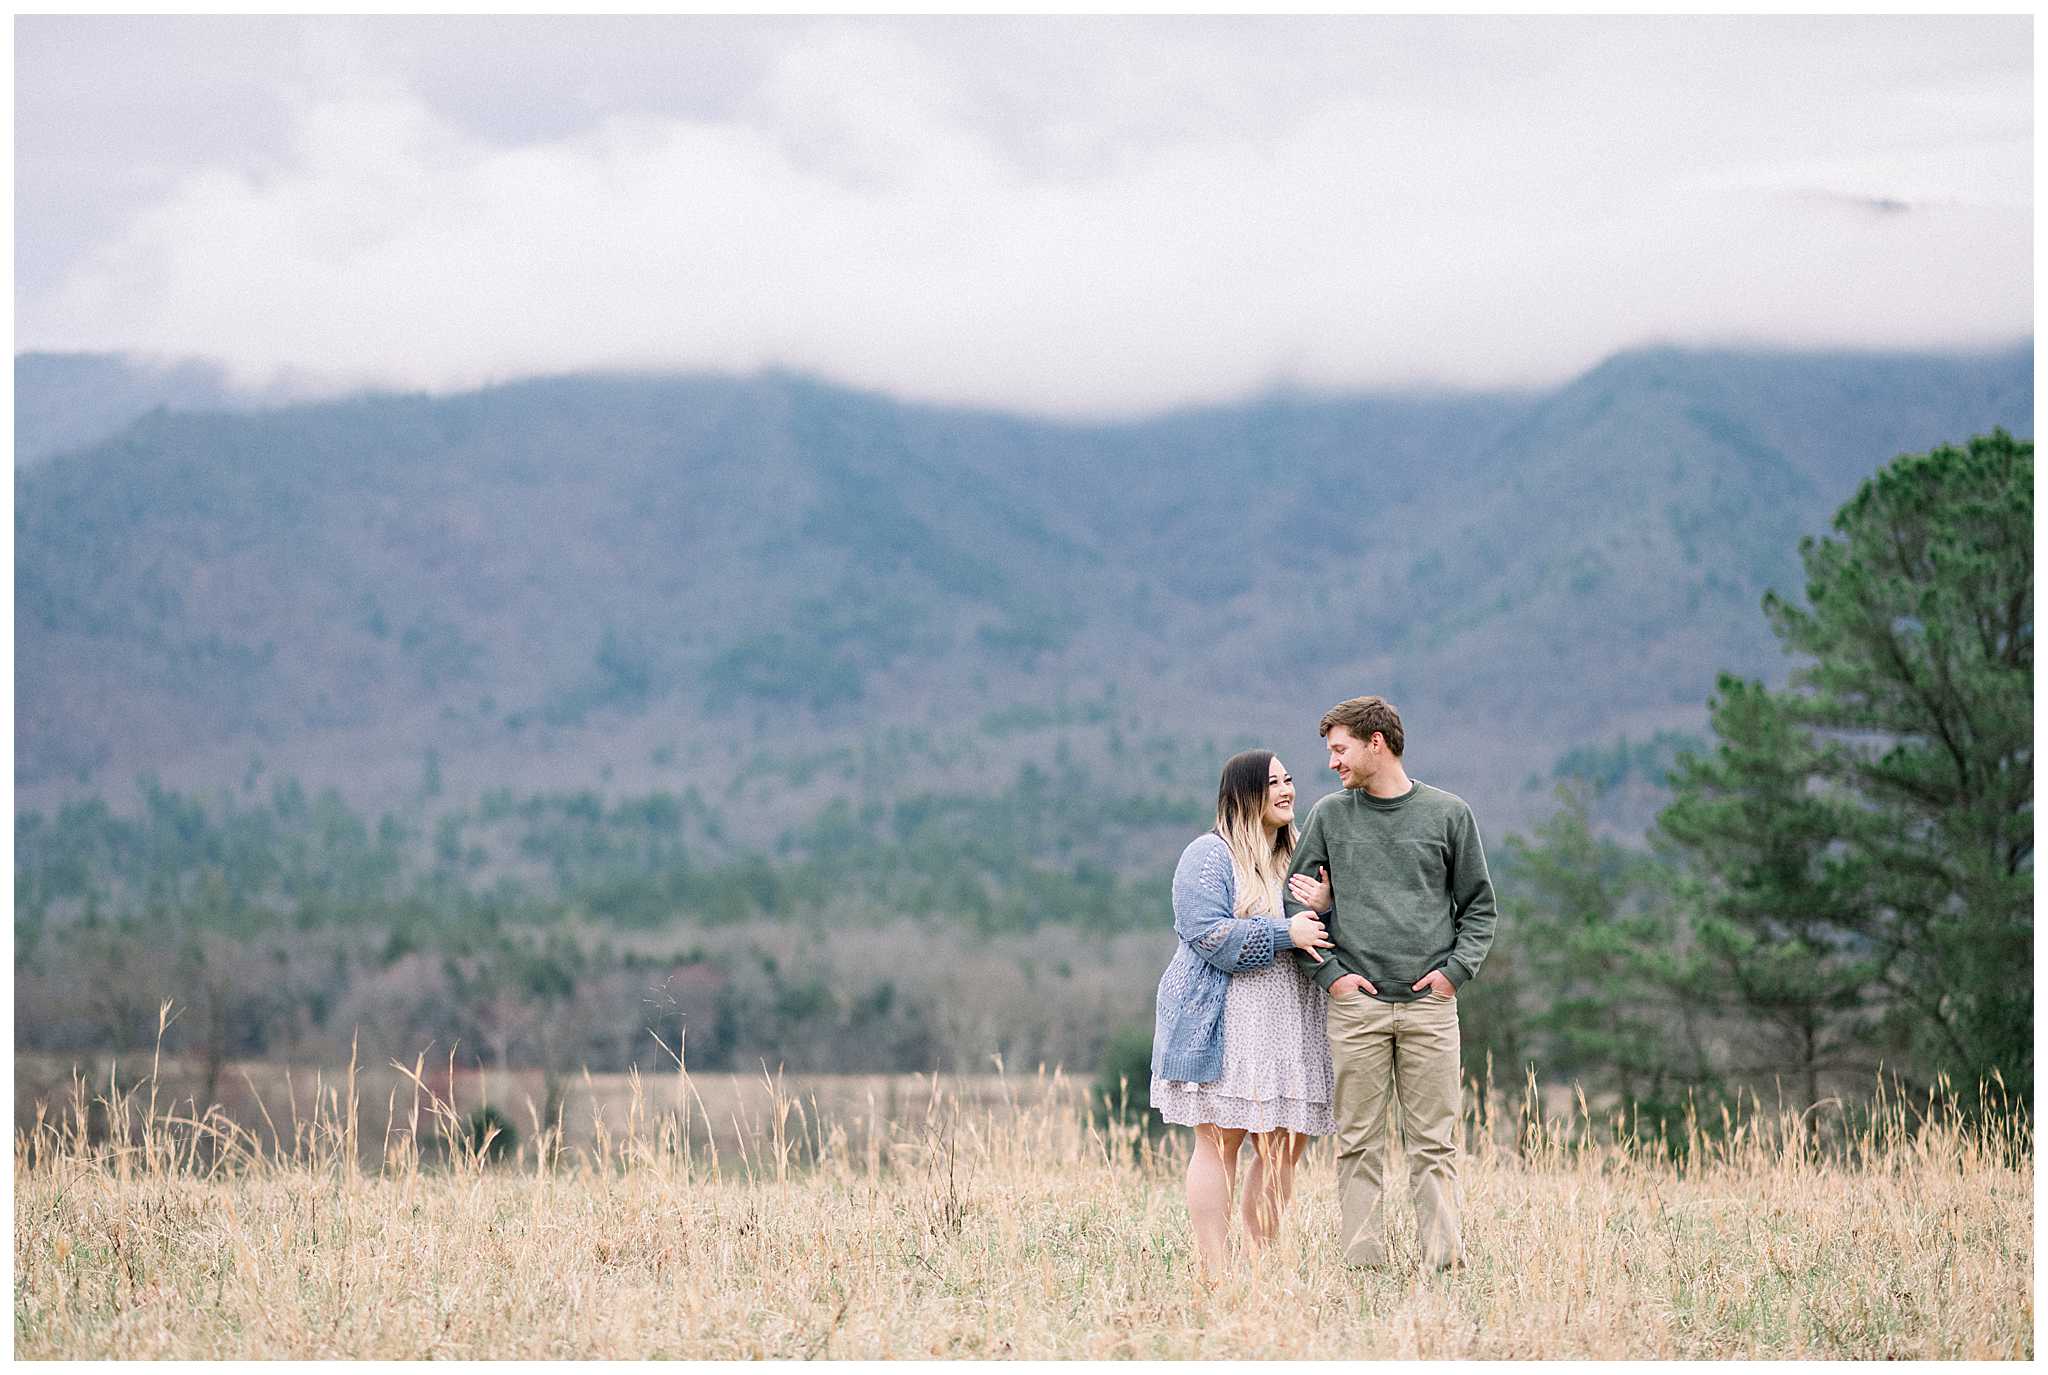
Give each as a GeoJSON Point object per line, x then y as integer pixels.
{"type": "Point", "coordinates": [1012, 1226]}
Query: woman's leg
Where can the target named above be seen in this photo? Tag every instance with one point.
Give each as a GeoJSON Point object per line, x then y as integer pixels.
{"type": "Point", "coordinates": [1271, 1183]}
{"type": "Point", "coordinates": [1212, 1171]}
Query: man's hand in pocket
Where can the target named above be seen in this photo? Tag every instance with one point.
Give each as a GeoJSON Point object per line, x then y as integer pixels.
{"type": "Point", "coordinates": [1437, 982]}
{"type": "Point", "coordinates": [1347, 985]}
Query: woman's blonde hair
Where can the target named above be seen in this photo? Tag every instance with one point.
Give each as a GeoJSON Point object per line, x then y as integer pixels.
{"type": "Point", "coordinates": [1260, 864]}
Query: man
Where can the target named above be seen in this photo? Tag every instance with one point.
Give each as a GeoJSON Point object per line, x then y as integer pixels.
{"type": "Point", "coordinates": [1413, 920]}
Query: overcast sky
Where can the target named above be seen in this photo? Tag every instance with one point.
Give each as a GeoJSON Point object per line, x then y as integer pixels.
{"type": "Point", "coordinates": [1073, 216]}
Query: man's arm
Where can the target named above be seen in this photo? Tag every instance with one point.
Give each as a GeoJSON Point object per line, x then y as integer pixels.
{"type": "Point", "coordinates": [1473, 913]}
{"type": "Point", "coordinates": [1311, 856]}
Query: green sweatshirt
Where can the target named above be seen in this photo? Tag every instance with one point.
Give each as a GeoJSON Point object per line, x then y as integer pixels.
{"type": "Point", "coordinates": [1411, 887]}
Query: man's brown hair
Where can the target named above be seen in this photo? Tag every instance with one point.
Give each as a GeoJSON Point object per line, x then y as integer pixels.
{"type": "Point", "coordinates": [1364, 715]}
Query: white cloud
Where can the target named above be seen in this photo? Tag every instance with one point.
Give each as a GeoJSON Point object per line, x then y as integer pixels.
{"type": "Point", "coordinates": [1481, 205]}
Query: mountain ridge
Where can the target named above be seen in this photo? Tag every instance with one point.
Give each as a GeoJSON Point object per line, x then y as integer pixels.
{"type": "Point", "coordinates": [558, 577]}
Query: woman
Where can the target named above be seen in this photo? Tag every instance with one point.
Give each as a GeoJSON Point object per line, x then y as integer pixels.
{"type": "Point", "coordinates": [1239, 1046]}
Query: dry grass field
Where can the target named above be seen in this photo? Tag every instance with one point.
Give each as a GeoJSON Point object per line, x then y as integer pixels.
{"type": "Point", "coordinates": [989, 1220]}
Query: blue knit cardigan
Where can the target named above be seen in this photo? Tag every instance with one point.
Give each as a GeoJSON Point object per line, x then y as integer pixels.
{"type": "Point", "coordinates": [1187, 1026]}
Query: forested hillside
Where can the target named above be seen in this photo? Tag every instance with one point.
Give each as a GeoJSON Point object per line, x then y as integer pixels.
{"type": "Point", "coordinates": [545, 581]}
{"type": "Point", "coordinates": [853, 732]}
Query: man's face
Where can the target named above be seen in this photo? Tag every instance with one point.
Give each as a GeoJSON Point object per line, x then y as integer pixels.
{"type": "Point", "coordinates": [1354, 760]}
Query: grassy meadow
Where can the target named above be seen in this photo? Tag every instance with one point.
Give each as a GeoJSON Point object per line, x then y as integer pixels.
{"type": "Point", "coordinates": [985, 1217]}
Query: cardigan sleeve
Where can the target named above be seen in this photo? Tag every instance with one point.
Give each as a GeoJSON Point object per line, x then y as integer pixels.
{"type": "Point", "coordinates": [1204, 892]}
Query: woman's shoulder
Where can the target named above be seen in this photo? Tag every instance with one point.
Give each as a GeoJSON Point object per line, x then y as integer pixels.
{"type": "Point", "coordinates": [1205, 856]}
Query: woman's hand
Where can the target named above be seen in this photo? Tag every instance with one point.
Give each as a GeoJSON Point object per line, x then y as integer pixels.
{"type": "Point", "coordinates": [1316, 894]}
{"type": "Point", "coordinates": [1307, 934]}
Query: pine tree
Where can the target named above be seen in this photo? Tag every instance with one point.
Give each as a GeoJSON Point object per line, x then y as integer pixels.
{"type": "Point", "coordinates": [1864, 839]}
{"type": "Point", "coordinates": [1594, 942]}
{"type": "Point", "coordinates": [1780, 951]}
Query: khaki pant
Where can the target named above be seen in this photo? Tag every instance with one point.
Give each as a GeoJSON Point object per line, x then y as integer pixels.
{"type": "Point", "coordinates": [1410, 1050]}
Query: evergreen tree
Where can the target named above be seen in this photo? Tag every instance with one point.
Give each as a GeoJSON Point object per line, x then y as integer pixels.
{"type": "Point", "coordinates": [1781, 953]}
{"type": "Point", "coordinates": [1594, 942]}
{"type": "Point", "coordinates": [1865, 838]}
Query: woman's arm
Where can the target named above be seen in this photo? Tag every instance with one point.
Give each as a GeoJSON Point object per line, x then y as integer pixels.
{"type": "Point", "coordinates": [1204, 892]}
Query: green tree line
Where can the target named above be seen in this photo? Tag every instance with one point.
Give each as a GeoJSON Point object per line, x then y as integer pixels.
{"type": "Point", "coordinates": [562, 928]}
{"type": "Point", "coordinates": [1842, 882]}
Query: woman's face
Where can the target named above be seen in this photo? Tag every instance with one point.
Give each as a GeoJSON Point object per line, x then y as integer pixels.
{"type": "Point", "coordinates": [1279, 796]}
